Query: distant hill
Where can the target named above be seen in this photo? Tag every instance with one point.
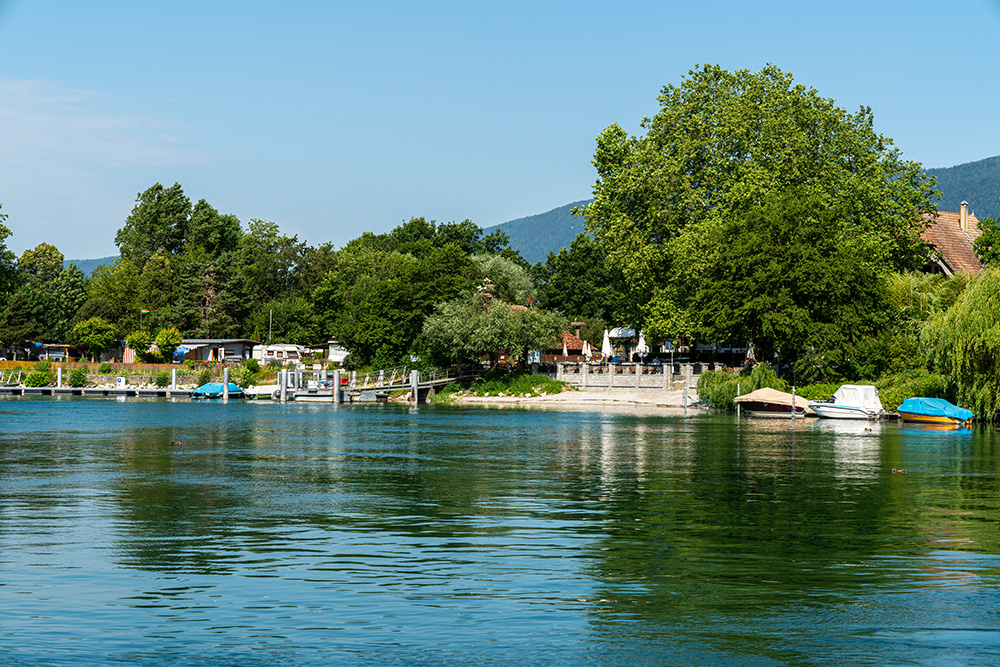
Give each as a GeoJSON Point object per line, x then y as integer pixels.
{"type": "Point", "coordinates": [975, 182]}
{"type": "Point", "coordinates": [536, 235]}
{"type": "Point", "coordinates": [88, 265]}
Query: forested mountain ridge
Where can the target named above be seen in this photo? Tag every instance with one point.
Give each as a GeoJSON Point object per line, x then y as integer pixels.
{"type": "Point", "coordinates": [535, 235]}
{"type": "Point", "coordinates": [87, 266]}
{"type": "Point", "coordinates": [975, 182]}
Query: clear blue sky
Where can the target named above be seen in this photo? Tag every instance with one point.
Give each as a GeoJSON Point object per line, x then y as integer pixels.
{"type": "Point", "coordinates": [334, 118]}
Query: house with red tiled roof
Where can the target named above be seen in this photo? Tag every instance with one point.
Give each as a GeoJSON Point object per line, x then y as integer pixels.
{"type": "Point", "coordinates": [950, 236]}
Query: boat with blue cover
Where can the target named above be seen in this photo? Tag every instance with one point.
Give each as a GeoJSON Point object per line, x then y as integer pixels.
{"type": "Point", "coordinates": [214, 390]}
{"type": "Point", "coordinates": [933, 411]}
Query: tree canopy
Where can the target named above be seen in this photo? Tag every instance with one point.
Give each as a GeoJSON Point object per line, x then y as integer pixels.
{"type": "Point", "coordinates": [727, 145]}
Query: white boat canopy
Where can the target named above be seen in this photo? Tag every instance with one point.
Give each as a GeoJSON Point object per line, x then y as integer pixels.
{"type": "Point", "coordinates": [863, 396]}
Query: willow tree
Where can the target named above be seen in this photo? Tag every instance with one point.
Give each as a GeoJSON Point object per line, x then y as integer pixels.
{"type": "Point", "coordinates": [724, 143]}
{"type": "Point", "coordinates": [964, 345]}
{"type": "Point", "coordinates": [471, 327]}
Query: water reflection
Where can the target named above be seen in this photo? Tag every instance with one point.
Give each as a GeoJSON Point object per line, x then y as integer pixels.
{"type": "Point", "coordinates": [510, 537]}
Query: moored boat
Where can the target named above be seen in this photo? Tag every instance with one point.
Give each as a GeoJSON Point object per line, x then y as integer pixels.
{"type": "Point", "coordinates": [767, 402]}
{"type": "Point", "coordinates": [933, 411]}
{"type": "Point", "coordinates": [214, 390]}
{"type": "Point", "coordinates": [851, 401]}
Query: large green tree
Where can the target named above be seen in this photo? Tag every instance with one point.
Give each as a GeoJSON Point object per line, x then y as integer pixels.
{"type": "Point", "coordinates": [158, 222]}
{"type": "Point", "coordinates": [782, 279]}
{"type": "Point", "coordinates": [725, 143]}
{"type": "Point", "coordinates": [473, 326]}
{"type": "Point", "coordinates": [96, 334]}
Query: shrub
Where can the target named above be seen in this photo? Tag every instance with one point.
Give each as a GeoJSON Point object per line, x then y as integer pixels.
{"type": "Point", "coordinates": [40, 376]}
{"type": "Point", "coordinates": [496, 383]}
{"type": "Point", "coordinates": [246, 375]}
{"type": "Point", "coordinates": [162, 379]}
{"type": "Point", "coordinates": [894, 389]}
{"type": "Point", "coordinates": [78, 377]}
{"type": "Point", "coordinates": [105, 369]}
{"type": "Point", "coordinates": [204, 377]}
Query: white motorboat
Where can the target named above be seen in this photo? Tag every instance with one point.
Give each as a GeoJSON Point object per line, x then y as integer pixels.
{"type": "Point", "coordinates": [851, 401]}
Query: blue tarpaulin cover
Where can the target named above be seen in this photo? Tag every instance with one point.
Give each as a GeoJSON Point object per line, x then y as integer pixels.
{"type": "Point", "coordinates": [934, 407]}
{"type": "Point", "coordinates": [214, 389]}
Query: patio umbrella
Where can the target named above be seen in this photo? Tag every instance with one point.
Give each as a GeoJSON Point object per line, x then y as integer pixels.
{"type": "Point", "coordinates": [641, 349]}
{"type": "Point", "coordinates": [586, 349]}
{"type": "Point", "coordinates": [565, 351]}
{"type": "Point", "coordinates": [606, 345]}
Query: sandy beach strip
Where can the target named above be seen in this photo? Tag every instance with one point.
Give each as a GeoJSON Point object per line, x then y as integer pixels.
{"type": "Point", "coordinates": [591, 399]}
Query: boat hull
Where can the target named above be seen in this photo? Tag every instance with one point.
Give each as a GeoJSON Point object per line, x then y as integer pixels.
{"type": "Point", "coordinates": [930, 419]}
{"type": "Point", "coordinates": [834, 411]}
{"type": "Point", "coordinates": [760, 409]}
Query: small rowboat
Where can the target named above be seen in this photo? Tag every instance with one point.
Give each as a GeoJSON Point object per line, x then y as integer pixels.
{"type": "Point", "coordinates": [933, 411]}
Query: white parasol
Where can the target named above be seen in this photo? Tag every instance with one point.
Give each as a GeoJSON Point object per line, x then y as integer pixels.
{"type": "Point", "coordinates": [606, 345]}
{"type": "Point", "coordinates": [565, 351]}
{"type": "Point", "coordinates": [641, 349]}
{"type": "Point", "coordinates": [586, 349]}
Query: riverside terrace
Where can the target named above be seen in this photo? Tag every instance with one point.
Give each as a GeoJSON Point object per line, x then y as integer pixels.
{"type": "Point", "coordinates": [629, 375]}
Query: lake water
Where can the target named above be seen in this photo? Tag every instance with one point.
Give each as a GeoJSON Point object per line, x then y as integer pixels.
{"type": "Point", "coordinates": [160, 532]}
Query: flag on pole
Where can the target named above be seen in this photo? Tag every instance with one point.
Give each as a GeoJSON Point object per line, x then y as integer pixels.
{"type": "Point", "coordinates": [144, 311]}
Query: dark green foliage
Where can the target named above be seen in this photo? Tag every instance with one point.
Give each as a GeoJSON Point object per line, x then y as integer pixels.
{"type": "Point", "coordinates": [105, 369]}
{"type": "Point", "coordinates": [204, 377]}
{"type": "Point", "coordinates": [162, 379]}
{"type": "Point", "coordinates": [783, 277]}
{"type": "Point", "coordinates": [975, 182]}
{"type": "Point", "coordinates": [578, 282]}
{"type": "Point", "coordinates": [288, 320]}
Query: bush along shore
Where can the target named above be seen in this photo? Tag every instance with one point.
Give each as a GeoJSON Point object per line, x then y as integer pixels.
{"type": "Point", "coordinates": [501, 384]}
